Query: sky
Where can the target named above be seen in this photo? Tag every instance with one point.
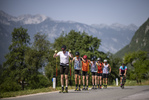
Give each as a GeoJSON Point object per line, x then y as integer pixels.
{"type": "Point", "coordinates": [84, 11]}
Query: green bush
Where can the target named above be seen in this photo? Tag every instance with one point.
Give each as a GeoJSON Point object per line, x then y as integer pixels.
{"type": "Point", "coordinates": [9, 85]}
{"type": "Point", "coordinates": [38, 81]}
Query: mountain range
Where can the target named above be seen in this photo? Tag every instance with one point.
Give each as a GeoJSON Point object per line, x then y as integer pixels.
{"type": "Point", "coordinates": [114, 37]}
{"type": "Point", "coordinates": [140, 41]}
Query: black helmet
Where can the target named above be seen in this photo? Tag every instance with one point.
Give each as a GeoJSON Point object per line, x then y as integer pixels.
{"type": "Point", "coordinates": [63, 47]}
{"type": "Point", "coordinates": [77, 53]}
{"type": "Point", "coordinates": [123, 64]}
{"type": "Point", "coordinates": [92, 59]}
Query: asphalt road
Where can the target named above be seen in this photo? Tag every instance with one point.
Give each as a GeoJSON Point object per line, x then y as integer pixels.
{"type": "Point", "coordinates": [111, 93]}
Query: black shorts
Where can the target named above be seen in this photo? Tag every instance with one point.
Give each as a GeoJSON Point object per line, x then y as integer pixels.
{"type": "Point", "coordinates": [105, 75]}
{"type": "Point", "coordinates": [122, 74]}
{"type": "Point", "coordinates": [94, 73]}
{"type": "Point", "coordinates": [78, 72]}
{"type": "Point", "coordinates": [99, 74]}
{"type": "Point", "coordinates": [64, 70]}
{"type": "Point", "coordinates": [84, 73]}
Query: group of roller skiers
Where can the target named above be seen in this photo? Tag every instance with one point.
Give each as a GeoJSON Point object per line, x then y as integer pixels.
{"type": "Point", "coordinates": [100, 70]}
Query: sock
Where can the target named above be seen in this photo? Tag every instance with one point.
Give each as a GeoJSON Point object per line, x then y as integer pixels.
{"type": "Point", "coordinates": [84, 86]}
{"type": "Point", "coordinates": [62, 86]}
{"type": "Point", "coordinates": [87, 86]}
{"type": "Point", "coordinates": [79, 86]}
{"type": "Point", "coordinates": [76, 85]}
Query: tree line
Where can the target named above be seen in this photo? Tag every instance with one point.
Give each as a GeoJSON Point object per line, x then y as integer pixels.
{"type": "Point", "coordinates": [21, 70]}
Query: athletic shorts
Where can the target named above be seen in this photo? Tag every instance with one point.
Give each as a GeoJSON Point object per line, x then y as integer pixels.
{"type": "Point", "coordinates": [99, 74]}
{"type": "Point", "coordinates": [105, 75]}
{"type": "Point", "coordinates": [64, 70]}
{"type": "Point", "coordinates": [78, 72]}
{"type": "Point", "coordinates": [122, 74]}
{"type": "Point", "coordinates": [84, 73]}
{"type": "Point", "coordinates": [94, 73]}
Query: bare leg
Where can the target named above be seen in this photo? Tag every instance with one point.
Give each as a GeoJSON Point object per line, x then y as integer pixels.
{"type": "Point", "coordinates": [93, 77]}
{"type": "Point", "coordinates": [76, 78]}
{"type": "Point", "coordinates": [87, 80]}
{"type": "Point", "coordinates": [83, 80]}
{"type": "Point", "coordinates": [79, 79]}
{"type": "Point", "coordinates": [100, 80]}
{"type": "Point", "coordinates": [62, 81]}
{"type": "Point", "coordinates": [106, 81]}
{"type": "Point", "coordinates": [66, 79]}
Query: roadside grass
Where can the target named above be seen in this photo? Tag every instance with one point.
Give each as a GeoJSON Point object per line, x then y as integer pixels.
{"type": "Point", "coordinates": [50, 89]}
{"type": "Point", "coordinates": [134, 83]}
{"type": "Point", "coordinates": [30, 91]}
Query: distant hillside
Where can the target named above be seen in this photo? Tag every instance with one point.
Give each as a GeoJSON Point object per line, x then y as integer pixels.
{"type": "Point", "coordinates": [140, 41]}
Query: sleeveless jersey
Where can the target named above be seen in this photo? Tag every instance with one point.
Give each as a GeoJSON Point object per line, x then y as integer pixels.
{"type": "Point", "coordinates": [93, 67]}
{"type": "Point", "coordinates": [85, 66]}
{"type": "Point", "coordinates": [100, 68]}
{"type": "Point", "coordinates": [77, 64]}
{"type": "Point", "coordinates": [105, 69]}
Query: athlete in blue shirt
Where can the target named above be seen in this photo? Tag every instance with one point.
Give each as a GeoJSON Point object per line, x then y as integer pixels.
{"type": "Point", "coordinates": [122, 72]}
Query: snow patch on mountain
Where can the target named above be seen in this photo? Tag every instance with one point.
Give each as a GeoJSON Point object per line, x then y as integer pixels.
{"type": "Point", "coordinates": [30, 19]}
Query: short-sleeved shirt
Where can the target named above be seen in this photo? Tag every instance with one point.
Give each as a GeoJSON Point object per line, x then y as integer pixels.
{"type": "Point", "coordinates": [64, 58]}
{"type": "Point", "coordinates": [77, 64]}
{"type": "Point", "coordinates": [123, 68]}
{"type": "Point", "coordinates": [93, 67]}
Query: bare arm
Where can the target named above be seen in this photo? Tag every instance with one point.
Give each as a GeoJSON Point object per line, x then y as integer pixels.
{"type": "Point", "coordinates": [119, 72]}
{"type": "Point", "coordinates": [72, 60]}
{"type": "Point", "coordinates": [125, 72]}
{"type": "Point", "coordinates": [110, 68]}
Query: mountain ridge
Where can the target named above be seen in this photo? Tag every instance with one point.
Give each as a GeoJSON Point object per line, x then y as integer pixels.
{"type": "Point", "coordinates": [113, 39]}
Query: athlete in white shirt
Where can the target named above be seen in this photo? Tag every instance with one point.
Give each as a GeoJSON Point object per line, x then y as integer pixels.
{"type": "Point", "coordinates": [64, 65]}
{"type": "Point", "coordinates": [106, 71]}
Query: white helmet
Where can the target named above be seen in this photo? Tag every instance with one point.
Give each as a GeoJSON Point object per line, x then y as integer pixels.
{"type": "Point", "coordinates": [98, 59]}
{"type": "Point", "coordinates": [105, 60]}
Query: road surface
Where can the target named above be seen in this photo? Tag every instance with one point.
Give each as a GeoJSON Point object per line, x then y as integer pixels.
{"type": "Point", "coordinates": [111, 93]}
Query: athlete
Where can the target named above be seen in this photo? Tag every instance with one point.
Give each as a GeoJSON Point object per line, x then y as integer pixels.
{"type": "Point", "coordinates": [94, 73]}
{"type": "Point", "coordinates": [122, 72]}
{"type": "Point", "coordinates": [106, 71]}
{"type": "Point", "coordinates": [64, 66]}
{"type": "Point", "coordinates": [85, 69]}
{"type": "Point", "coordinates": [77, 67]}
{"type": "Point", "coordinates": [99, 74]}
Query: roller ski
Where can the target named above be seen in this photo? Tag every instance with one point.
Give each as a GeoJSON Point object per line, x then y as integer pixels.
{"type": "Point", "coordinates": [62, 90]}
{"type": "Point", "coordinates": [77, 89]}
{"type": "Point", "coordinates": [105, 86]}
{"type": "Point", "coordinates": [66, 90]}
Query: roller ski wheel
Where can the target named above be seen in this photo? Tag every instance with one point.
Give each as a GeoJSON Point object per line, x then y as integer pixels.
{"type": "Point", "coordinates": [79, 89]}
{"type": "Point", "coordinates": [86, 89]}
{"type": "Point", "coordinates": [75, 89]}
{"type": "Point", "coordinates": [62, 90]}
{"type": "Point", "coordinates": [83, 88]}
{"type": "Point", "coordinates": [66, 91]}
